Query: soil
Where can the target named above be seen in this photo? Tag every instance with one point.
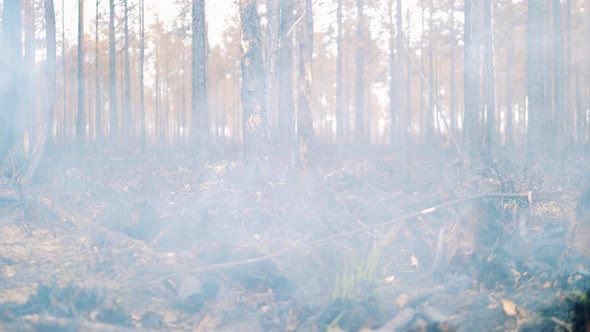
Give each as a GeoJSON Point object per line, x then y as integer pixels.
{"type": "Point", "coordinates": [115, 241]}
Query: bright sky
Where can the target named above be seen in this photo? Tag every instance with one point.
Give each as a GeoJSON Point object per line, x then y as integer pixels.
{"type": "Point", "coordinates": [218, 12]}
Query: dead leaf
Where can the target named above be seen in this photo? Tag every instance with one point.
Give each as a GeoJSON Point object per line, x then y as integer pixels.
{"type": "Point", "coordinates": [390, 279]}
{"type": "Point", "coordinates": [401, 300]}
{"type": "Point", "coordinates": [414, 262]}
{"type": "Point", "coordinates": [509, 307]}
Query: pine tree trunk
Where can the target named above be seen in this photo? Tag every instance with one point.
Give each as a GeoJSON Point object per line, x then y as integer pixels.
{"type": "Point", "coordinates": [127, 129]}
{"type": "Point", "coordinates": [305, 121]}
{"type": "Point", "coordinates": [286, 121]}
{"type": "Point", "coordinates": [489, 81]}
{"type": "Point", "coordinates": [98, 107]}
{"type": "Point", "coordinates": [199, 116]}
{"type": "Point", "coordinates": [113, 116]}
{"type": "Point", "coordinates": [340, 126]}
{"type": "Point", "coordinates": [252, 93]}
{"type": "Point", "coordinates": [143, 119]}
{"type": "Point", "coordinates": [535, 75]}
{"type": "Point", "coordinates": [81, 119]}
{"type": "Point", "coordinates": [559, 113]}
{"type": "Point", "coordinates": [271, 69]}
{"type": "Point", "coordinates": [360, 75]}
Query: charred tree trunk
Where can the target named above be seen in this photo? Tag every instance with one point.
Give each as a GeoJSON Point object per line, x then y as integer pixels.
{"type": "Point", "coordinates": [199, 105]}
{"type": "Point", "coordinates": [81, 119]}
{"type": "Point", "coordinates": [113, 117]}
{"type": "Point", "coordinates": [252, 92]}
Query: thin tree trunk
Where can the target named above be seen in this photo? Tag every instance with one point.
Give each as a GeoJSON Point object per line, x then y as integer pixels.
{"type": "Point", "coordinates": [339, 96]}
{"type": "Point", "coordinates": [570, 113]}
{"type": "Point", "coordinates": [431, 70]}
{"type": "Point", "coordinates": [535, 75]}
{"type": "Point", "coordinates": [143, 119]}
{"type": "Point", "coordinates": [489, 80]}
{"type": "Point", "coordinates": [360, 75]}
{"type": "Point", "coordinates": [199, 105]}
{"type": "Point", "coordinates": [422, 66]}
{"type": "Point", "coordinates": [25, 118]}
{"type": "Point", "coordinates": [408, 81]}
{"type": "Point", "coordinates": [64, 73]}
{"type": "Point", "coordinates": [11, 66]}
{"type": "Point", "coordinates": [113, 117]}
{"type": "Point", "coordinates": [81, 119]}
{"type": "Point", "coordinates": [51, 65]}
{"type": "Point", "coordinates": [98, 106]}
{"type": "Point", "coordinates": [509, 106]}
{"type": "Point", "coordinates": [393, 98]}
{"type": "Point", "coordinates": [558, 77]}
{"type": "Point", "coordinates": [271, 67]}
{"type": "Point", "coordinates": [252, 94]}
{"type": "Point", "coordinates": [452, 73]}
{"type": "Point", "coordinates": [305, 121]}
{"type": "Point", "coordinates": [286, 112]}
{"type": "Point", "coordinates": [127, 84]}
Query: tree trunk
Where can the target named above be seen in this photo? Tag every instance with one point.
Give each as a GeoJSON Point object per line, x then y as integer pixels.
{"type": "Point", "coordinates": [64, 73]}
{"type": "Point", "coordinates": [272, 58]}
{"type": "Point", "coordinates": [340, 128]}
{"type": "Point", "coordinates": [126, 118]}
{"type": "Point", "coordinates": [408, 81]}
{"type": "Point", "coordinates": [199, 105]}
{"type": "Point", "coordinates": [559, 113]}
{"type": "Point", "coordinates": [393, 98]}
{"type": "Point", "coordinates": [305, 120]}
{"type": "Point", "coordinates": [429, 116]}
{"type": "Point", "coordinates": [98, 107]}
{"type": "Point", "coordinates": [252, 94]}
{"type": "Point", "coordinates": [422, 66]}
{"type": "Point", "coordinates": [509, 106]}
{"type": "Point", "coordinates": [489, 81]}
{"type": "Point", "coordinates": [11, 66]}
{"type": "Point", "coordinates": [570, 113]}
{"type": "Point", "coordinates": [360, 75]}
{"type": "Point", "coordinates": [143, 119]}
{"type": "Point", "coordinates": [26, 116]}
{"type": "Point", "coordinates": [113, 117]}
{"type": "Point", "coordinates": [51, 65]}
{"type": "Point", "coordinates": [535, 75]}
{"type": "Point", "coordinates": [471, 79]}
{"type": "Point", "coordinates": [286, 111]}
{"type": "Point", "coordinates": [81, 119]}
{"type": "Point", "coordinates": [452, 73]}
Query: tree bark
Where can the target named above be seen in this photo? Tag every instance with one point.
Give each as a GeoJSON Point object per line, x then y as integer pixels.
{"type": "Point", "coordinates": [471, 79]}
{"type": "Point", "coordinates": [452, 73]}
{"type": "Point", "coordinates": [360, 75]}
{"type": "Point", "coordinates": [126, 118]}
{"type": "Point", "coordinates": [51, 65]}
{"type": "Point", "coordinates": [271, 69]}
{"type": "Point", "coordinates": [26, 116]}
{"type": "Point", "coordinates": [98, 107]}
{"type": "Point", "coordinates": [252, 92]}
{"type": "Point", "coordinates": [11, 66]}
{"type": "Point", "coordinates": [81, 119]}
{"type": "Point", "coordinates": [340, 127]}
{"type": "Point", "coordinates": [305, 120]}
{"type": "Point", "coordinates": [113, 117]}
{"type": "Point", "coordinates": [143, 119]}
{"type": "Point", "coordinates": [286, 112]}
{"type": "Point", "coordinates": [535, 75]}
{"type": "Point", "coordinates": [559, 113]}
{"type": "Point", "coordinates": [64, 73]}
{"type": "Point", "coordinates": [489, 81]}
{"type": "Point", "coordinates": [199, 105]}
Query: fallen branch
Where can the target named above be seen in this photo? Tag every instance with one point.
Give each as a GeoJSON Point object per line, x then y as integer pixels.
{"type": "Point", "coordinates": [390, 233]}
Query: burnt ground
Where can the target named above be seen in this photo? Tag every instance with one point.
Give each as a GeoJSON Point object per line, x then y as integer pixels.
{"type": "Point", "coordinates": [120, 242]}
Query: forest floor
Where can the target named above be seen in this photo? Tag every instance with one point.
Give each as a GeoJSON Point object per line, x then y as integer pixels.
{"type": "Point", "coordinates": [113, 242]}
